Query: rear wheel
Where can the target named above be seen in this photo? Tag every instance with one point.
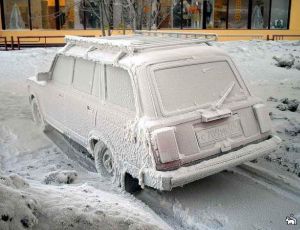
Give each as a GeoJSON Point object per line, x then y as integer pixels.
{"type": "Point", "coordinates": [104, 160]}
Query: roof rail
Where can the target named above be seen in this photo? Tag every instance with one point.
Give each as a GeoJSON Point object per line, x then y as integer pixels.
{"type": "Point", "coordinates": [208, 36]}
{"type": "Point", "coordinates": [140, 41]}
{"type": "Point", "coordinates": [102, 43]}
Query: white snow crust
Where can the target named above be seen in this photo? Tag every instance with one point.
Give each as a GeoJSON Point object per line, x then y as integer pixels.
{"type": "Point", "coordinates": [43, 186]}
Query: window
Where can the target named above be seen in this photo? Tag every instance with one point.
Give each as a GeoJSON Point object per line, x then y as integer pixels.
{"type": "Point", "coordinates": [83, 75]}
{"type": "Point", "coordinates": [176, 13]}
{"type": "Point", "coordinates": [152, 14]}
{"type": "Point", "coordinates": [204, 14]}
{"type": "Point", "coordinates": [162, 14]}
{"type": "Point", "coordinates": [238, 14]}
{"type": "Point", "coordinates": [72, 14]}
{"type": "Point", "coordinates": [63, 70]}
{"type": "Point", "coordinates": [158, 14]}
{"type": "Point", "coordinates": [260, 14]}
{"type": "Point", "coordinates": [279, 14]}
{"type": "Point", "coordinates": [92, 14]}
{"type": "Point", "coordinates": [43, 14]}
{"type": "Point", "coordinates": [194, 85]}
{"type": "Point", "coordinates": [118, 87]}
{"type": "Point", "coordinates": [220, 14]}
{"type": "Point", "coordinates": [196, 12]}
{"type": "Point", "coordinates": [16, 14]}
{"type": "Point", "coordinates": [96, 82]}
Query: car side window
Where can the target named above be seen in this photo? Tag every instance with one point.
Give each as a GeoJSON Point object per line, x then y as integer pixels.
{"type": "Point", "coordinates": [96, 82]}
{"type": "Point", "coordinates": [63, 70]}
{"type": "Point", "coordinates": [119, 89]}
{"type": "Point", "coordinates": [83, 75]}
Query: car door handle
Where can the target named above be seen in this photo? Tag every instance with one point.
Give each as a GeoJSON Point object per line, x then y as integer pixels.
{"type": "Point", "coordinates": [90, 108]}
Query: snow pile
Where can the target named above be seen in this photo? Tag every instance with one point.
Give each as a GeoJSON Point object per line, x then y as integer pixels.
{"type": "Point", "coordinates": [18, 210]}
{"type": "Point", "coordinates": [83, 207]}
{"type": "Point", "coordinates": [61, 177]}
{"type": "Point", "coordinates": [286, 104]}
{"type": "Point", "coordinates": [285, 60]}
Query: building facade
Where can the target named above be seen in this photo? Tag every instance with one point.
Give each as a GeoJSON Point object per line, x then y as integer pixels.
{"type": "Point", "coordinates": [216, 16]}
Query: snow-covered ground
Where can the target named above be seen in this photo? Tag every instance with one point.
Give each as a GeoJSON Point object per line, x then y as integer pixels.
{"type": "Point", "coordinates": [256, 62]}
{"type": "Point", "coordinates": [45, 183]}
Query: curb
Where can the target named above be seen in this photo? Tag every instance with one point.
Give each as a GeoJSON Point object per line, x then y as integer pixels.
{"type": "Point", "coordinates": [288, 183]}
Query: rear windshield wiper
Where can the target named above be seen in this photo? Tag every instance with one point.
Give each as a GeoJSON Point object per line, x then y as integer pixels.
{"type": "Point", "coordinates": [219, 103]}
{"type": "Point", "coordinates": [215, 113]}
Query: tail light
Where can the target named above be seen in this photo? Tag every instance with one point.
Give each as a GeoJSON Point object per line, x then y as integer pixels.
{"type": "Point", "coordinates": [262, 115]}
{"type": "Point", "coordinates": [166, 148]}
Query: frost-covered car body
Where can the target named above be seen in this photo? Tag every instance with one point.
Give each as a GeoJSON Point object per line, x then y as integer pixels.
{"type": "Point", "coordinates": [170, 114]}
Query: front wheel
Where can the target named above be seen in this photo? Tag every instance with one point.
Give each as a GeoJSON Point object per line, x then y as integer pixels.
{"type": "Point", "coordinates": [37, 116]}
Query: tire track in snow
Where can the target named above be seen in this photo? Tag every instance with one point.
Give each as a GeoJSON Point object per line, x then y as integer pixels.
{"type": "Point", "coordinates": [73, 150]}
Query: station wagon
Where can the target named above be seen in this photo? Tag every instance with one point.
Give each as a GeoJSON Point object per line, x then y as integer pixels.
{"type": "Point", "coordinates": [152, 111]}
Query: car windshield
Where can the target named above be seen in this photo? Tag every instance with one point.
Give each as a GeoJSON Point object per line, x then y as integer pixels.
{"type": "Point", "coordinates": [190, 86]}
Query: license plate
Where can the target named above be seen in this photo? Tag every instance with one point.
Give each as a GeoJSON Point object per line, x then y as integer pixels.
{"type": "Point", "coordinates": [212, 135]}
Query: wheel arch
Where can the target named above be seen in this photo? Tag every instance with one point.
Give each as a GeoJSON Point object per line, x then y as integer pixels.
{"type": "Point", "coordinates": [126, 170]}
{"type": "Point", "coordinates": [94, 137]}
{"type": "Point", "coordinates": [32, 95]}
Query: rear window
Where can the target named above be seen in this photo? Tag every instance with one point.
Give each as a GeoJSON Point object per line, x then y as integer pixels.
{"type": "Point", "coordinates": [118, 87]}
{"type": "Point", "coordinates": [187, 87]}
{"type": "Point", "coordinates": [63, 70]}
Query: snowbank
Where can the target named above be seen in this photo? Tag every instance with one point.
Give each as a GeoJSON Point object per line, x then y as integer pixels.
{"type": "Point", "coordinates": [18, 210]}
{"type": "Point", "coordinates": [24, 206]}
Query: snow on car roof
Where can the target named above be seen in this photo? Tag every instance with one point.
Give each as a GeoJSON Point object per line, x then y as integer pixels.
{"type": "Point", "coordinates": [136, 48]}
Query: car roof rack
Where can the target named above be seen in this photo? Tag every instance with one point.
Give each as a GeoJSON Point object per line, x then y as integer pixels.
{"type": "Point", "coordinates": [207, 36]}
{"type": "Point", "coordinates": [140, 41]}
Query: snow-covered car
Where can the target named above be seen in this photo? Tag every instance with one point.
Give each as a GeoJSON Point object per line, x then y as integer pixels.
{"type": "Point", "coordinates": [160, 112]}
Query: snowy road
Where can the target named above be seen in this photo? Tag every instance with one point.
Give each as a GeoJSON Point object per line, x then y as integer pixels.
{"type": "Point", "coordinates": [229, 200]}
{"type": "Point", "coordinates": [233, 199]}
{"type": "Point", "coordinates": [225, 201]}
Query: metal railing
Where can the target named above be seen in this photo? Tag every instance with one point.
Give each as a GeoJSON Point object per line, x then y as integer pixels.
{"type": "Point", "coordinates": [277, 37]}
{"type": "Point", "coordinates": [250, 36]}
{"type": "Point", "coordinates": [42, 40]}
{"type": "Point", "coordinates": [45, 40]}
{"type": "Point", "coordinates": [3, 41]}
{"type": "Point", "coordinates": [208, 36]}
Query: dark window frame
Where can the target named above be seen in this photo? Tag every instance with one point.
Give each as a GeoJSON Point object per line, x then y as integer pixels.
{"type": "Point", "coordinates": [58, 24]}
{"type": "Point", "coordinates": [3, 26]}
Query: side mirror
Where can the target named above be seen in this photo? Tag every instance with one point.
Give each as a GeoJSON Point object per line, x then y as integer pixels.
{"type": "Point", "coordinates": [43, 76]}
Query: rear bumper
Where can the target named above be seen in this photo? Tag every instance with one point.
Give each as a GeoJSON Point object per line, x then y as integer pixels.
{"type": "Point", "coordinates": [184, 175]}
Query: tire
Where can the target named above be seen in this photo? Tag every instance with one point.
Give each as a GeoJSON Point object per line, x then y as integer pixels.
{"type": "Point", "coordinates": [104, 160]}
{"type": "Point", "coordinates": [38, 117]}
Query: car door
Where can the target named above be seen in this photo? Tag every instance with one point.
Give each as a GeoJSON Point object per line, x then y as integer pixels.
{"type": "Point", "coordinates": [117, 112]}
{"type": "Point", "coordinates": [82, 100]}
{"type": "Point", "coordinates": [54, 96]}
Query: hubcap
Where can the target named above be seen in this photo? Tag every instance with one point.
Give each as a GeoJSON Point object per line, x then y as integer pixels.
{"type": "Point", "coordinates": [107, 161]}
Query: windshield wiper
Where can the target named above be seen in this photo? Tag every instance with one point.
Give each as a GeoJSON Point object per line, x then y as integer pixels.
{"type": "Point", "coordinates": [218, 104]}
